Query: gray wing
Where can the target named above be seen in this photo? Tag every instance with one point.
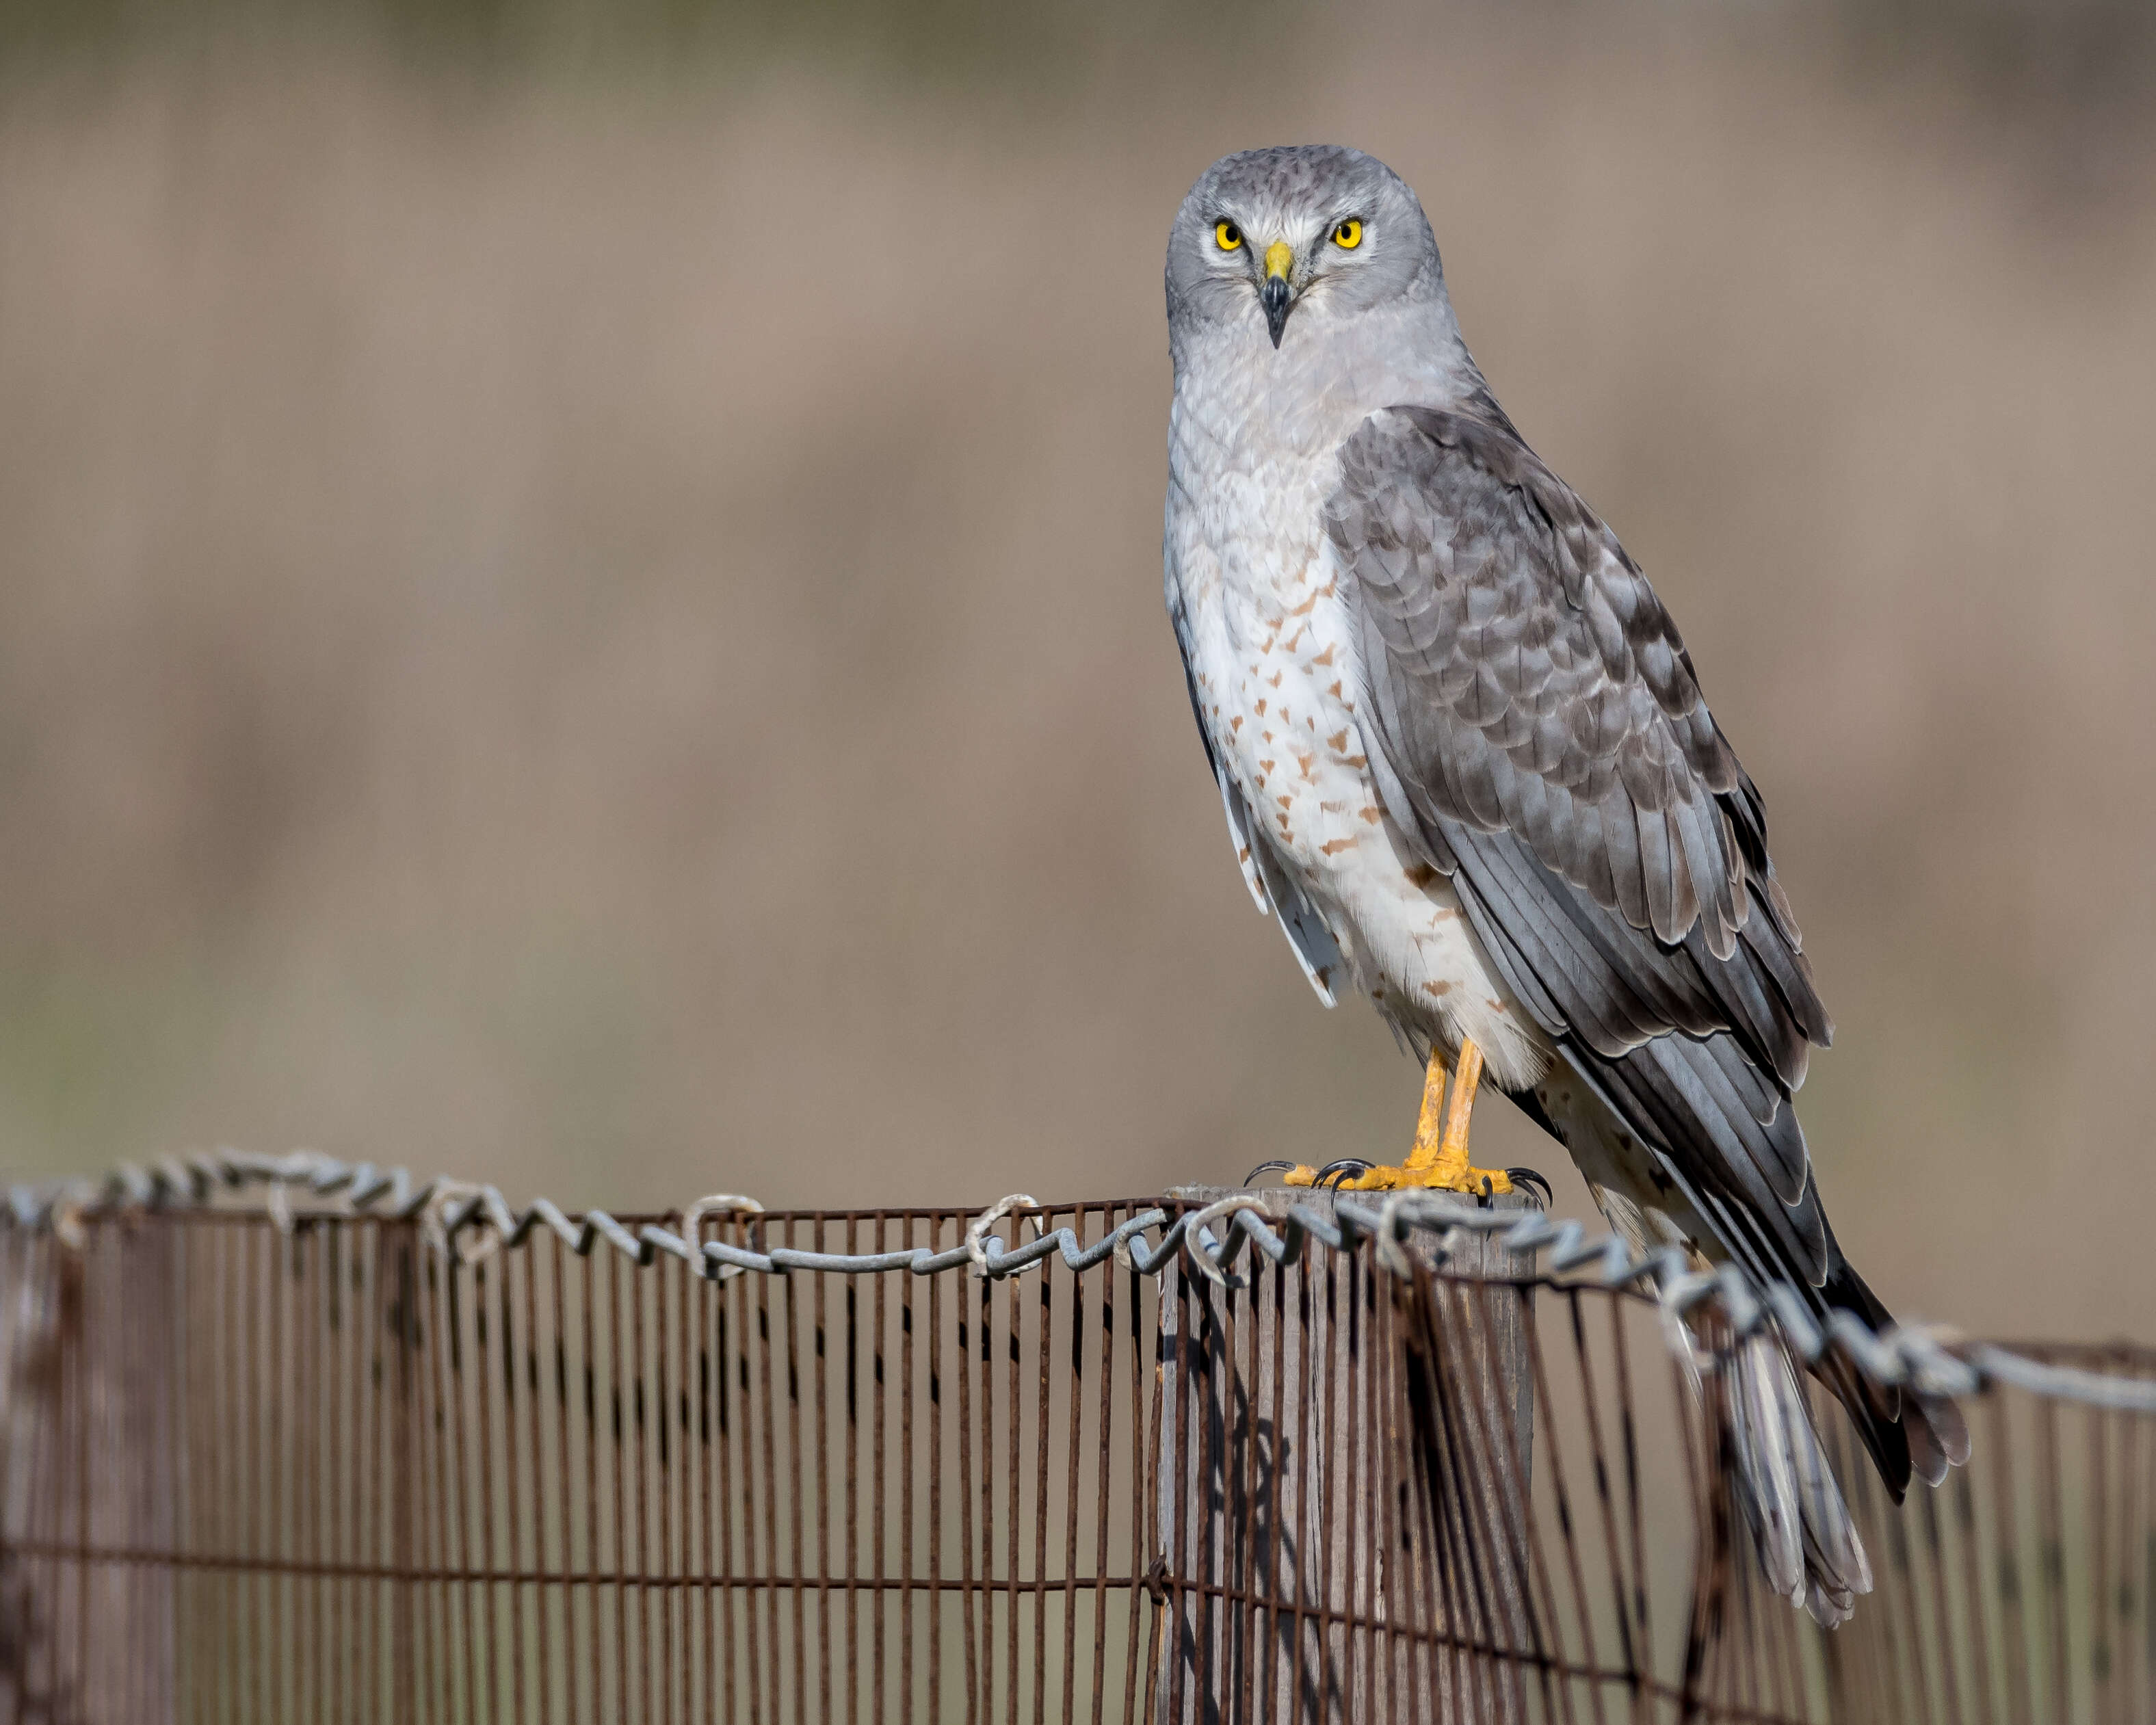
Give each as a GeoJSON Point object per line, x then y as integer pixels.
{"type": "Point", "coordinates": [1534, 721]}
{"type": "Point", "coordinates": [1271, 885]}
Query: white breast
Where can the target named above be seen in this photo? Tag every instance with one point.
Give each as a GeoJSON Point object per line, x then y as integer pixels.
{"type": "Point", "coordinates": [1273, 662]}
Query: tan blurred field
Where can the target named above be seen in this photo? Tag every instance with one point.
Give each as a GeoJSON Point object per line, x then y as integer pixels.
{"type": "Point", "coordinates": [603, 633]}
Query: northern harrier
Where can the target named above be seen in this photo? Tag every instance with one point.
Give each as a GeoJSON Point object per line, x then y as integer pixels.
{"type": "Point", "coordinates": [1467, 760]}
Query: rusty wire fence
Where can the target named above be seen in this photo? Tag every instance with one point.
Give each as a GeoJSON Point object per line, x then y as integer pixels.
{"type": "Point", "coordinates": [372, 1451]}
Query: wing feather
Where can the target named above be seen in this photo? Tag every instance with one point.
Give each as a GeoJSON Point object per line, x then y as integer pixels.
{"type": "Point", "coordinates": [1534, 723]}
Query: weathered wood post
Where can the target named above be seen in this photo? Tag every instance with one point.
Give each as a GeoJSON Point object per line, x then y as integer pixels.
{"type": "Point", "coordinates": [1342, 1531]}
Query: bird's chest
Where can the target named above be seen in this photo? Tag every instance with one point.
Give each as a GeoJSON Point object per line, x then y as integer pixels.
{"type": "Point", "coordinates": [1271, 636]}
{"type": "Point", "coordinates": [1272, 658]}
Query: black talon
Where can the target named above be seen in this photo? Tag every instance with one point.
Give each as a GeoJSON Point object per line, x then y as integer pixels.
{"type": "Point", "coordinates": [1340, 1170]}
{"type": "Point", "coordinates": [1528, 1177]}
{"type": "Point", "coordinates": [1267, 1168]}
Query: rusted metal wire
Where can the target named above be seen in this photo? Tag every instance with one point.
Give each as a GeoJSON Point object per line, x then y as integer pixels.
{"type": "Point", "coordinates": [374, 1450]}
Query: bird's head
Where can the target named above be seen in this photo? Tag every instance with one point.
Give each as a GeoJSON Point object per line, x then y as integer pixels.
{"type": "Point", "coordinates": [1309, 232]}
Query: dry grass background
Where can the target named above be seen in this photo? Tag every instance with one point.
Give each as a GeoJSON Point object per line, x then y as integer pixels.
{"type": "Point", "coordinates": [602, 631]}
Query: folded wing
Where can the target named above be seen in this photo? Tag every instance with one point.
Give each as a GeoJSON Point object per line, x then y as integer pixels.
{"type": "Point", "coordinates": [1536, 725]}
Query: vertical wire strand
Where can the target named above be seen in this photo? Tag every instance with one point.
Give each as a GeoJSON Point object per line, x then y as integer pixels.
{"type": "Point", "coordinates": [1043, 1315]}
{"type": "Point", "coordinates": [340, 1244]}
{"type": "Point", "coordinates": [457, 1499]}
{"type": "Point", "coordinates": [2143, 1527]}
{"type": "Point", "coordinates": [1145, 1502]}
{"type": "Point", "coordinates": [631, 1438]}
{"type": "Point", "coordinates": [655, 1524]}
{"type": "Point", "coordinates": [1014, 1510]}
{"type": "Point", "coordinates": [568, 1594]}
{"type": "Point", "coordinates": [426, 1428]}
{"type": "Point", "coordinates": [1972, 1570]}
{"type": "Point", "coordinates": [1362, 1447]}
{"type": "Point", "coordinates": [1394, 1467]}
{"type": "Point", "coordinates": [325, 1360]}
{"type": "Point", "coordinates": [700, 1559]}
{"type": "Point", "coordinates": [484, 1481]}
{"type": "Point", "coordinates": [1201, 1560]}
{"type": "Point", "coordinates": [303, 1547]}
{"type": "Point", "coordinates": [192, 1623]}
{"type": "Point", "coordinates": [530, 1523]}
{"type": "Point", "coordinates": [2013, 1578]}
{"type": "Point", "coordinates": [47, 1443]}
{"type": "Point", "coordinates": [2095, 1503]}
{"type": "Point", "coordinates": [935, 1470]}
{"type": "Point", "coordinates": [715, 1451]}
{"type": "Point", "coordinates": [1275, 1661]}
{"type": "Point", "coordinates": [82, 1426]}
{"type": "Point", "coordinates": [365, 1513]}
{"type": "Point", "coordinates": [277, 1517]}
{"type": "Point", "coordinates": [1628, 1433]}
{"type": "Point", "coordinates": [1332, 1667]}
{"type": "Point", "coordinates": [734, 1374]}
{"type": "Point", "coordinates": [899, 1408]}
{"type": "Point", "coordinates": [1254, 1436]}
{"type": "Point", "coordinates": [985, 1455]}
{"type": "Point", "coordinates": [878, 1347]}
{"type": "Point", "coordinates": [308, 1353]}
{"type": "Point", "coordinates": [820, 1367]}
{"type": "Point", "coordinates": [1073, 1440]}
{"type": "Point", "coordinates": [400, 1459]}
{"type": "Point", "coordinates": [796, 1547]}
{"type": "Point", "coordinates": [1172, 1492]}
{"type": "Point", "coordinates": [1232, 1577]}
{"type": "Point", "coordinates": [768, 1431]}
{"type": "Point", "coordinates": [965, 1301]}
{"type": "Point", "coordinates": [1304, 1675]}
{"type": "Point", "coordinates": [762, 1563]}
{"type": "Point", "coordinates": [589, 1647]}
{"type": "Point", "coordinates": [256, 1541]}
{"type": "Point", "coordinates": [852, 1440]}
{"type": "Point", "coordinates": [2133, 1699]}
{"type": "Point", "coordinates": [1104, 1421]}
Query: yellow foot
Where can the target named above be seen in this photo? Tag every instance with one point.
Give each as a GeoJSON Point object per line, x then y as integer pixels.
{"type": "Point", "coordinates": [1439, 1161]}
{"type": "Point", "coordinates": [1363, 1176]}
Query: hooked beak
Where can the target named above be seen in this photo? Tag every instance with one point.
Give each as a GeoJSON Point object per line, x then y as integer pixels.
{"type": "Point", "coordinates": [1280, 258]}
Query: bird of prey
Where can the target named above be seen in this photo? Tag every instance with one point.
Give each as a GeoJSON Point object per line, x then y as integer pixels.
{"type": "Point", "coordinates": [1466, 761]}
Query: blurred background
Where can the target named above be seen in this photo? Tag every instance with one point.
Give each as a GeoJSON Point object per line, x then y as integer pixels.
{"type": "Point", "coordinates": [579, 585]}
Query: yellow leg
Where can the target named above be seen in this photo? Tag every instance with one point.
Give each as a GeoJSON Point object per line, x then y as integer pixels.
{"type": "Point", "coordinates": [1438, 1159]}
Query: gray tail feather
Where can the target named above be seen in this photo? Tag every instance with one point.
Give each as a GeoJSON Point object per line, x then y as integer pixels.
{"type": "Point", "coordinates": [1800, 1525]}
{"type": "Point", "coordinates": [1910, 1433]}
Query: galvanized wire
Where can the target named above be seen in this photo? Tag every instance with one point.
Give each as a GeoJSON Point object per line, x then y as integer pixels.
{"type": "Point", "coordinates": [473, 1220]}
{"type": "Point", "coordinates": [288, 1440]}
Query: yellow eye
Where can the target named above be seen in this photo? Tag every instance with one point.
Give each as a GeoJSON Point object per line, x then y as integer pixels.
{"type": "Point", "coordinates": [1228, 236]}
{"type": "Point", "coordinates": [1348, 235]}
